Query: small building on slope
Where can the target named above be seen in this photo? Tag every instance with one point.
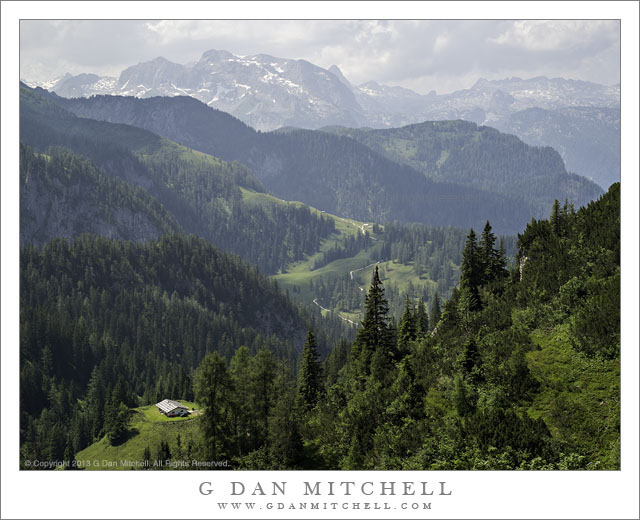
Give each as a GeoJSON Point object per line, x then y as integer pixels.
{"type": "Point", "coordinates": [172, 408]}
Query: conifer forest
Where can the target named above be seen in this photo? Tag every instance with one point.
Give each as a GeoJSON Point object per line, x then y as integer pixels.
{"type": "Point", "coordinates": [313, 299]}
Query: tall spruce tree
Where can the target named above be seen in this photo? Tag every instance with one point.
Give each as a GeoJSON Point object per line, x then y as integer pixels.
{"type": "Point", "coordinates": [408, 328]}
{"type": "Point", "coordinates": [263, 369]}
{"type": "Point", "coordinates": [244, 421]}
{"type": "Point", "coordinates": [556, 218]}
{"type": "Point", "coordinates": [310, 375]}
{"type": "Point", "coordinates": [375, 335]}
{"type": "Point", "coordinates": [492, 259]}
{"type": "Point", "coordinates": [117, 420]}
{"type": "Point", "coordinates": [285, 441]}
{"type": "Point", "coordinates": [213, 391]}
{"type": "Point", "coordinates": [436, 311]}
{"type": "Point", "coordinates": [472, 269]}
{"type": "Point", "coordinates": [422, 319]}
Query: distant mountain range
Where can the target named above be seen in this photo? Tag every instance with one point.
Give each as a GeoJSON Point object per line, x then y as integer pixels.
{"type": "Point", "coordinates": [581, 120]}
{"type": "Point", "coordinates": [446, 173]}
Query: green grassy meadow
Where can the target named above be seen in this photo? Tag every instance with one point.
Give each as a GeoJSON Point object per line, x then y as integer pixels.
{"type": "Point", "coordinates": [147, 429]}
{"type": "Point", "coordinates": [299, 275]}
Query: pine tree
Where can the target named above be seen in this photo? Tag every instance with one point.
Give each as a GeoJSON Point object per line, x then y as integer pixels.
{"type": "Point", "coordinates": [375, 335]}
{"type": "Point", "coordinates": [470, 361]}
{"type": "Point", "coordinates": [163, 454]}
{"type": "Point", "coordinates": [212, 390]}
{"type": "Point", "coordinates": [117, 419]}
{"type": "Point", "coordinates": [263, 394]}
{"type": "Point", "coordinates": [407, 331]}
{"type": "Point", "coordinates": [567, 218]}
{"type": "Point", "coordinates": [310, 375]}
{"type": "Point", "coordinates": [464, 397]}
{"type": "Point", "coordinates": [436, 311]}
{"type": "Point", "coordinates": [68, 454]}
{"type": "Point", "coordinates": [488, 253]}
{"type": "Point", "coordinates": [243, 420]}
{"type": "Point", "coordinates": [422, 319]}
{"type": "Point", "coordinates": [467, 303]}
{"type": "Point", "coordinates": [285, 440]}
{"type": "Point", "coordinates": [121, 392]}
{"type": "Point", "coordinates": [472, 269]}
{"type": "Point", "coordinates": [556, 218]}
{"type": "Point", "coordinates": [336, 359]}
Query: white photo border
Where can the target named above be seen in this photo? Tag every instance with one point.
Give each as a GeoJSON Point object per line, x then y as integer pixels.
{"type": "Point", "coordinates": [606, 494]}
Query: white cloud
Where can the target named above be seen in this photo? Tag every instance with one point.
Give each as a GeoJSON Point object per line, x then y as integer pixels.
{"type": "Point", "coordinates": [441, 43]}
{"type": "Point", "coordinates": [549, 35]}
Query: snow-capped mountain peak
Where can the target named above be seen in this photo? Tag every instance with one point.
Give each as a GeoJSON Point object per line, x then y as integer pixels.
{"type": "Point", "coordinates": [265, 91]}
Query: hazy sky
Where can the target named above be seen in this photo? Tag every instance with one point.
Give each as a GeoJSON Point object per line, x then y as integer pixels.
{"type": "Point", "coordinates": [421, 55]}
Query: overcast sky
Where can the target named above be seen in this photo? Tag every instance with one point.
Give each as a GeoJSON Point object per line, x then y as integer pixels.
{"type": "Point", "coordinates": [421, 55]}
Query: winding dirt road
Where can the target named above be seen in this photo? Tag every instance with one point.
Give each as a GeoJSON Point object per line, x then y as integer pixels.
{"type": "Point", "coordinates": [329, 310]}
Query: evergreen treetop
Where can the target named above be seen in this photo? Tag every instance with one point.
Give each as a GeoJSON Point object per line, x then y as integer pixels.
{"type": "Point", "coordinates": [471, 268]}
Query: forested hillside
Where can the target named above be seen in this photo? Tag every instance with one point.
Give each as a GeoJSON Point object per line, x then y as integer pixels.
{"type": "Point", "coordinates": [519, 369]}
{"type": "Point", "coordinates": [64, 195]}
{"type": "Point", "coordinates": [203, 194]}
{"type": "Point", "coordinates": [587, 137]}
{"type": "Point", "coordinates": [105, 321]}
{"type": "Point", "coordinates": [516, 372]}
{"type": "Point", "coordinates": [464, 153]}
{"type": "Point", "coordinates": [342, 176]}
